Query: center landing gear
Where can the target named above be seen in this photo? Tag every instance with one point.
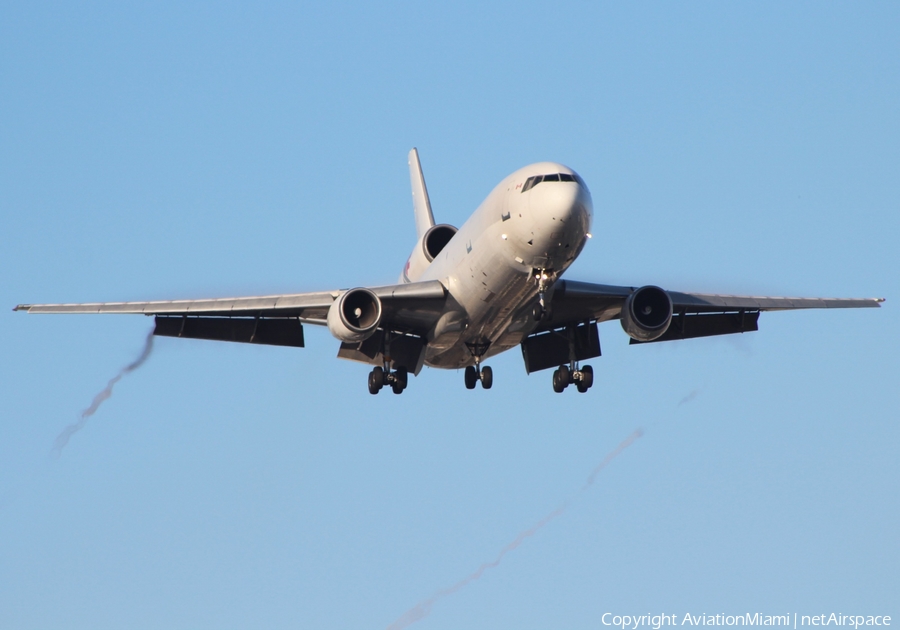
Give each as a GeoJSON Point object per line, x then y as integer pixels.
{"type": "Point", "coordinates": [379, 377]}
{"type": "Point", "coordinates": [473, 375]}
{"type": "Point", "coordinates": [565, 375]}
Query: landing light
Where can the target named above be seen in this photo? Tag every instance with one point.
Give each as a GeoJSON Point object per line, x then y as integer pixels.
{"type": "Point", "coordinates": [503, 236]}
{"type": "Point", "coordinates": [589, 235]}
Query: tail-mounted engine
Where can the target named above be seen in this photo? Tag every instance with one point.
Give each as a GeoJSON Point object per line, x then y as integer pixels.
{"type": "Point", "coordinates": [647, 313]}
{"type": "Point", "coordinates": [355, 315]}
{"type": "Point", "coordinates": [426, 250]}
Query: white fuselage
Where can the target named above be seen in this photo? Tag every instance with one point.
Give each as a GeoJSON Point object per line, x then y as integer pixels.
{"type": "Point", "coordinates": [490, 266]}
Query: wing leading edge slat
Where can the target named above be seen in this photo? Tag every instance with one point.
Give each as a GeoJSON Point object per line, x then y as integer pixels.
{"type": "Point", "coordinates": [412, 306]}
{"type": "Point", "coordinates": [710, 303]}
{"type": "Point", "coordinates": [286, 304]}
{"type": "Point", "coordinates": [574, 302]}
{"type": "Point", "coordinates": [289, 305]}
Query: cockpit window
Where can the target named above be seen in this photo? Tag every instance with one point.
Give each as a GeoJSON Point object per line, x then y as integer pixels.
{"type": "Point", "coordinates": [531, 182]}
{"type": "Point", "coordinates": [534, 180]}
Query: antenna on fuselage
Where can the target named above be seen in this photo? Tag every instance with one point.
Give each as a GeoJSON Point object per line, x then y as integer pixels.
{"type": "Point", "coordinates": [421, 203]}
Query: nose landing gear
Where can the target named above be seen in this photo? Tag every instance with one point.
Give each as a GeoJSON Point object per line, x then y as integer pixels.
{"type": "Point", "coordinates": [566, 375]}
{"type": "Point", "coordinates": [544, 278]}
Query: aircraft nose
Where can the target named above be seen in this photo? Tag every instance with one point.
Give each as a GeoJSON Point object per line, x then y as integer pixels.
{"type": "Point", "coordinates": [563, 207]}
{"type": "Point", "coordinates": [556, 215]}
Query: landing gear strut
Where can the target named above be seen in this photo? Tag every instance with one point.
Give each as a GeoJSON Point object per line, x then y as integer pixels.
{"type": "Point", "coordinates": [543, 278]}
{"type": "Point", "coordinates": [382, 376]}
{"type": "Point", "coordinates": [566, 375]}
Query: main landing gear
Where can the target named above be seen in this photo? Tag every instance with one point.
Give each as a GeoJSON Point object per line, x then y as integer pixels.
{"type": "Point", "coordinates": [379, 377]}
{"type": "Point", "coordinates": [565, 375]}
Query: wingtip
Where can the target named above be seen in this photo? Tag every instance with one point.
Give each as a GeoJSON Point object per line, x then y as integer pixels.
{"type": "Point", "coordinates": [21, 307]}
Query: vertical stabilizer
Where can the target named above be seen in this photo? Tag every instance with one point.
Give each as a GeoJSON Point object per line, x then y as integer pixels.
{"type": "Point", "coordinates": [421, 203]}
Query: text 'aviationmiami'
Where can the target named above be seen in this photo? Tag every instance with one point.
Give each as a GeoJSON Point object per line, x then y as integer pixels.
{"type": "Point", "coordinates": [790, 620]}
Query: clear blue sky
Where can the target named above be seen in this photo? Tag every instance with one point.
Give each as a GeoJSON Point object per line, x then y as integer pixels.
{"type": "Point", "coordinates": [199, 150]}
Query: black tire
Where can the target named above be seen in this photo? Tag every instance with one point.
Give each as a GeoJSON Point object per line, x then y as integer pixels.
{"type": "Point", "coordinates": [587, 376]}
{"type": "Point", "coordinates": [379, 376]}
{"type": "Point", "coordinates": [375, 383]}
{"type": "Point", "coordinates": [565, 377]}
{"type": "Point", "coordinates": [557, 386]}
{"type": "Point", "coordinates": [471, 377]}
{"type": "Point", "coordinates": [403, 376]}
{"type": "Point", "coordinates": [397, 387]}
{"type": "Point", "coordinates": [582, 387]}
{"type": "Point", "coordinates": [537, 312]}
{"type": "Point", "coordinates": [487, 377]}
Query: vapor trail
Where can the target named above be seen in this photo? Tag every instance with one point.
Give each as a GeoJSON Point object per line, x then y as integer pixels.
{"type": "Point", "coordinates": [423, 608]}
{"type": "Point", "coordinates": [63, 438]}
{"type": "Point", "coordinates": [688, 398]}
{"type": "Point", "coordinates": [611, 456]}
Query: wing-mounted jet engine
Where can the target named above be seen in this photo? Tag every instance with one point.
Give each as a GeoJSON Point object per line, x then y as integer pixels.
{"type": "Point", "coordinates": [647, 313]}
{"type": "Point", "coordinates": [355, 315]}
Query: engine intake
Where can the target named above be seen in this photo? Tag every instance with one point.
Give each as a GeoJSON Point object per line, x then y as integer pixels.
{"type": "Point", "coordinates": [436, 239]}
{"type": "Point", "coordinates": [426, 250]}
{"type": "Point", "coordinates": [647, 313]}
{"type": "Point", "coordinates": [355, 315]}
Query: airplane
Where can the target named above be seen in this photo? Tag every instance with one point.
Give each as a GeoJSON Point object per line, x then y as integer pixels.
{"type": "Point", "coordinates": [467, 294]}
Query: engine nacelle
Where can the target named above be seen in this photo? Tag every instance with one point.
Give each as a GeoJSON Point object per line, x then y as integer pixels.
{"type": "Point", "coordinates": [647, 313]}
{"type": "Point", "coordinates": [355, 315]}
{"type": "Point", "coordinates": [426, 250]}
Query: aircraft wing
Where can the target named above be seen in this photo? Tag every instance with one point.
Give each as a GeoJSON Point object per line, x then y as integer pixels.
{"type": "Point", "coordinates": [270, 319]}
{"type": "Point", "coordinates": [693, 314]}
